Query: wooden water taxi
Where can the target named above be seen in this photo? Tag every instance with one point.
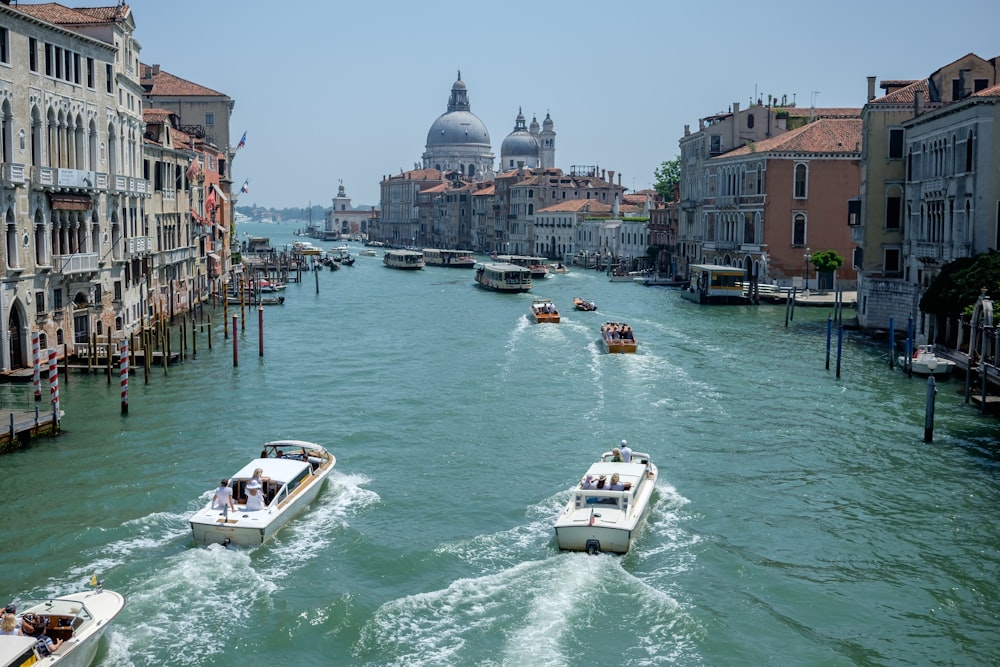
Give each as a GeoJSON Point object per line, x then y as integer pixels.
{"type": "Point", "coordinates": [618, 338]}
{"type": "Point", "coordinates": [503, 277]}
{"type": "Point", "coordinates": [713, 283]}
{"type": "Point", "coordinates": [609, 505]}
{"type": "Point", "coordinates": [293, 472]}
{"type": "Point", "coordinates": [74, 623]}
{"type": "Point", "coordinates": [403, 259]}
{"type": "Point", "coordinates": [584, 305]}
{"type": "Point", "coordinates": [455, 259]}
{"type": "Point", "coordinates": [544, 311]}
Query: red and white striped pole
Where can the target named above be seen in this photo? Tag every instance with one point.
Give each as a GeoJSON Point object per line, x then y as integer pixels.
{"type": "Point", "coordinates": [36, 365]}
{"type": "Point", "coordinates": [54, 382]}
{"type": "Point", "coordinates": [123, 367]}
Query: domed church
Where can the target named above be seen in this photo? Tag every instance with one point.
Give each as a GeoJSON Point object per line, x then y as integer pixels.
{"type": "Point", "coordinates": [458, 140]}
{"type": "Point", "coordinates": [527, 146]}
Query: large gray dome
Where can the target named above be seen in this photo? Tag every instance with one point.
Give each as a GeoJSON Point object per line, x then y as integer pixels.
{"type": "Point", "coordinates": [458, 128]}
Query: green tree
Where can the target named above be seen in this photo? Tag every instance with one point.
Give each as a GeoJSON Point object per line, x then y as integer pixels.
{"type": "Point", "coordinates": [827, 261]}
{"type": "Point", "coordinates": [667, 176]}
{"type": "Point", "coordinates": [957, 287]}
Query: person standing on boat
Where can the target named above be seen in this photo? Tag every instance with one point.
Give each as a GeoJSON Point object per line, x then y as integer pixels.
{"type": "Point", "coordinates": [626, 451]}
{"type": "Point", "coordinates": [223, 497]}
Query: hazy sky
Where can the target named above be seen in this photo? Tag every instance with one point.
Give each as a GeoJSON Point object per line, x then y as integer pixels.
{"type": "Point", "coordinates": [330, 91]}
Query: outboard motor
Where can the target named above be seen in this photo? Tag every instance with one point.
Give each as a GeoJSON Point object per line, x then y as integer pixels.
{"type": "Point", "coordinates": [593, 547]}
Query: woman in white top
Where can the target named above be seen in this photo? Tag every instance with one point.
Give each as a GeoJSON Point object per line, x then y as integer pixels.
{"type": "Point", "coordinates": [255, 495]}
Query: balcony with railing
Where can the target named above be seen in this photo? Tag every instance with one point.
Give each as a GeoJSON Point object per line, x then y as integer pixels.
{"type": "Point", "coordinates": [12, 174]}
{"type": "Point", "coordinates": [85, 262]}
{"type": "Point", "coordinates": [137, 245]}
{"type": "Point", "coordinates": [171, 257]}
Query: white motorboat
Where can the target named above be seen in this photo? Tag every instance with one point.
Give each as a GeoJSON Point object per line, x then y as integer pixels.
{"type": "Point", "coordinates": [293, 472]}
{"type": "Point", "coordinates": [78, 619]}
{"type": "Point", "coordinates": [926, 362]}
{"type": "Point", "coordinates": [604, 519]}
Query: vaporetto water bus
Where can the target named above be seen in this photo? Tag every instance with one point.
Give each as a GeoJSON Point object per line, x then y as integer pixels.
{"type": "Point", "coordinates": [504, 277]}
{"type": "Point", "coordinates": [403, 259]}
{"type": "Point", "coordinates": [456, 259]}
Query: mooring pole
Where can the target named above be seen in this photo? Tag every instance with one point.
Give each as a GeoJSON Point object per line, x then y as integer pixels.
{"type": "Point", "coordinates": [929, 410]}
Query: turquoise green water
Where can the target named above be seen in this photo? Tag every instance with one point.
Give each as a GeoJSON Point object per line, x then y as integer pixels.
{"type": "Point", "coordinates": [798, 519]}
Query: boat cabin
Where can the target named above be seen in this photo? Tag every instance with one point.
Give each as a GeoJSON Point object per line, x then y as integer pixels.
{"type": "Point", "coordinates": [714, 283]}
{"type": "Point", "coordinates": [504, 277]}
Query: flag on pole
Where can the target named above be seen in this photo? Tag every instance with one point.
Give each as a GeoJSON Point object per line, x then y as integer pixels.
{"type": "Point", "coordinates": [243, 141]}
{"type": "Point", "coordinates": [246, 187]}
{"type": "Point", "coordinates": [194, 168]}
{"type": "Point", "coordinates": [210, 199]}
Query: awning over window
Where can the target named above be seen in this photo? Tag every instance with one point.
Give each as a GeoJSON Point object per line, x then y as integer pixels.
{"type": "Point", "coordinates": [219, 192]}
{"type": "Point", "coordinates": [66, 202]}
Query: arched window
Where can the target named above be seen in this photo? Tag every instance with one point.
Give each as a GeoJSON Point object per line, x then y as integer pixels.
{"type": "Point", "coordinates": [800, 181]}
{"type": "Point", "coordinates": [799, 229]}
{"type": "Point", "coordinates": [750, 121]}
{"type": "Point", "coordinates": [968, 153]}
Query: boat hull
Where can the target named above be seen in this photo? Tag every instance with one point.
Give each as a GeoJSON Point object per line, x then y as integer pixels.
{"type": "Point", "coordinates": [81, 643]}
{"type": "Point", "coordinates": [588, 524]}
{"type": "Point", "coordinates": [251, 529]}
{"type": "Point", "coordinates": [296, 481]}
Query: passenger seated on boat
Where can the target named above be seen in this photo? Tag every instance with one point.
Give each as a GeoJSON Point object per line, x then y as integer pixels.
{"type": "Point", "coordinates": [616, 455]}
{"type": "Point", "coordinates": [255, 496]}
{"type": "Point", "coordinates": [601, 481]}
{"type": "Point", "coordinates": [34, 626]}
{"type": "Point", "coordinates": [616, 484]}
{"type": "Point", "coordinates": [587, 482]}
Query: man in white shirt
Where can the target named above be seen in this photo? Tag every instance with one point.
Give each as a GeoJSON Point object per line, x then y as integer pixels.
{"type": "Point", "coordinates": [626, 452]}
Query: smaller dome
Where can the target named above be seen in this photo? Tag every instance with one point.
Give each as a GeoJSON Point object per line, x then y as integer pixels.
{"type": "Point", "coordinates": [520, 144]}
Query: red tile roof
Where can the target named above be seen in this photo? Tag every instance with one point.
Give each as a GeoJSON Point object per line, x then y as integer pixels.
{"type": "Point", "coordinates": [988, 92]}
{"type": "Point", "coordinates": [160, 83]}
{"type": "Point", "coordinates": [905, 95]}
{"type": "Point", "coordinates": [156, 115]}
{"type": "Point", "coordinates": [53, 12]}
{"type": "Point", "coordinates": [578, 206]}
{"type": "Point", "coordinates": [827, 135]}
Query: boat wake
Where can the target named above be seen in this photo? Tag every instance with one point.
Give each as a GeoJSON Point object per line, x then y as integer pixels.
{"type": "Point", "coordinates": [186, 596]}
{"type": "Point", "coordinates": [556, 607]}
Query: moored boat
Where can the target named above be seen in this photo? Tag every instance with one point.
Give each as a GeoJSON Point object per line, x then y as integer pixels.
{"type": "Point", "coordinates": [456, 259]}
{"type": "Point", "coordinates": [403, 259]}
{"type": "Point", "coordinates": [926, 362]}
{"type": "Point", "coordinates": [618, 337]}
{"type": "Point", "coordinates": [608, 507]}
{"type": "Point", "coordinates": [503, 277]}
{"type": "Point", "coordinates": [583, 304]}
{"type": "Point", "coordinates": [292, 474]}
{"type": "Point", "coordinates": [78, 620]}
{"type": "Point", "coordinates": [544, 311]}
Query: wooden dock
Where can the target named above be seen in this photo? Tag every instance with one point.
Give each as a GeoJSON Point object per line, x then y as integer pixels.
{"type": "Point", "coordinates": [24, 425]}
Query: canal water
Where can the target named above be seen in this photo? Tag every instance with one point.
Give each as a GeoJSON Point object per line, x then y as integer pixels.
{"type": "Point", "coordinates": [799, 519]}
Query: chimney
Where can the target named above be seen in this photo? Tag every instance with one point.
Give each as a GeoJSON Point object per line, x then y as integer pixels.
{"type": "Point", "coordinates": [619, 179]}
{"type": "Point", "coordinates": [871, 88]}
{"type": "Point", "coordinates": [687, 130]}
{"type": "Point", "coordinates": [917, 94]}
{"type": "Point", "coordinates": [736, 125]}
{"type": "Point", "coordinates": [611, 176]}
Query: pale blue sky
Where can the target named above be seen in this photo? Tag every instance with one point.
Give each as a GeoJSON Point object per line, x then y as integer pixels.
{"type": "Point", "coordinates": [332, 91]}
